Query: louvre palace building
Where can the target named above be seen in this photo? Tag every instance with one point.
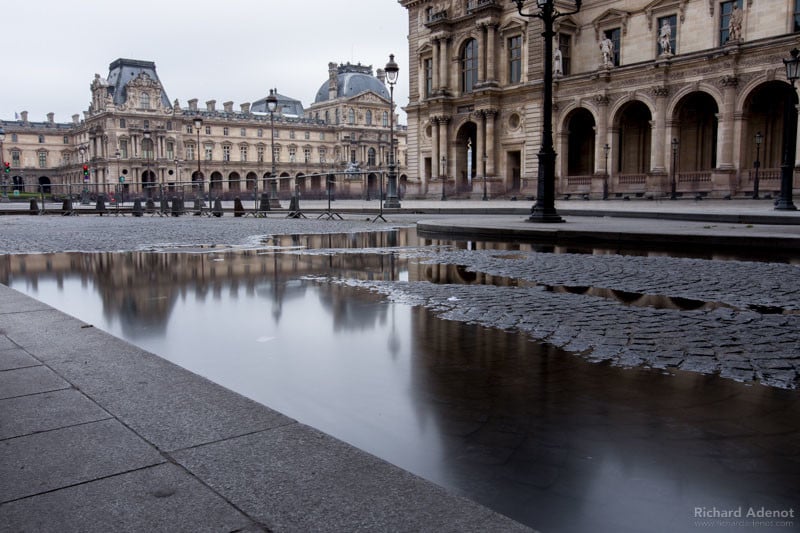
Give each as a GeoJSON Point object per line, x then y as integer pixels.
{"type": "Point", "coordinates": [646, 93]}
{"type": "Point", "coordinates": [133, 140]}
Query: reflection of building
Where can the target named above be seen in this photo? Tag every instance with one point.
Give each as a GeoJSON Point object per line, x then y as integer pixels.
{"type": "Point", "coordinates": [479, 82]}
{"type": "Point", "coordinates": [348, 123]}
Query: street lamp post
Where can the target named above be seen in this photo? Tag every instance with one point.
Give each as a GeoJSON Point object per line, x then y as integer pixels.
{"type": "Point", "coordinates": [117, 156]}
{"type": "Point", "coordinates": [785, 202]}
{"type": "Point", "coordinates": [485, 159]}
{"type": "Point", "coordinates": [757, 163]}
{"type": "Point", "coordinates": [606, 150]}
{"type": "Point", "coordinates": [392, 70]}
{"type": "Point", "coordinates": [272, 105]}
{"type": "Point", "coordinates": [85, 190]}
{"type": "Point", "coordinates": [198, 123]}
{"type": "Point", "coordinates": [3, 160]}
{"type": "Point", "coordinates": [673, 195]}
{"type": "Point", "coordinates": [146, 147]}
{"type": "Point", "coordinates": [444, 177]}
{"type": "Point", "coordinates": [544, 210]}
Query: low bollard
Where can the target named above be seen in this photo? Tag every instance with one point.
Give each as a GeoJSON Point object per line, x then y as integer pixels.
{"type": "Point", "coordinates": [217, 211]}
{"type": "Point", "coordinates": [34, 207]}
{"type": "Point", "coordinates": [238, 208]}
{"type": "Point", "coordinates": [177, 206]}
{"type": "Point", "coordinates": [100, 206]}
{"type": "Point", "coordinates": [66, 207]}
{"type": "Point", "coordinates": [198, 206]}
{"type": "Point", "coordinates": [150, 206]}
{"type": "Point", "coordinates": [137, 208]}
{"type": "Point", "coordinates": [263, 204]}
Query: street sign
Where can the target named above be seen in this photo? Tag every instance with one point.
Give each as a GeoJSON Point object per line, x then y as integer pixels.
{"type": "Point", "coordinates": [122, 179]}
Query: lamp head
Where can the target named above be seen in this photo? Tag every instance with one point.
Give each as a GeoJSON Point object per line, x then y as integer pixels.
{"type": "Point", "coordinates": [146, 134]}
{"type": "Point", "coordinates": [392, 70]}
{"type": "Point", "coordinates": [198, 123]}
{"type": "Point", "coordinates": [606, 148]}
{"type": "Point", "coordinates": [792, 66]}
{"type": "Point", "coordinates": [674, 143]}
{"type": "Point", "coordinates": [272, 101]}
{"type": "Point", "coordinates": [759, 138]}
{"type": "Point", "coordinates": [117, 154]}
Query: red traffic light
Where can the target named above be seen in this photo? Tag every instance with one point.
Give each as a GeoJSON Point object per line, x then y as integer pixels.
{"type": "Point", "coordinates": [7, 166]}
{"type": "Point", "coordinates": [85, 170]}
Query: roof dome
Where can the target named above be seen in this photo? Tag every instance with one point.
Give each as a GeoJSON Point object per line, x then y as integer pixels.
{"type": "Point", "coordinates": [286, 106]}
{"type": "Point", "coordinates": [352, 80]}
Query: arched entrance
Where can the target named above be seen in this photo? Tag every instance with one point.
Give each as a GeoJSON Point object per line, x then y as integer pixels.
{"type": "Point", "coordinates": [580, 143]}
{"type": "Point", "coordinates": [234, 183]}
{"type": "Point", "coordinates": [148, 182]}
{"type": "Point", "coordinates": [197, 180]}
{"type": "Point", "coordinates": [44, 184]}
{"type": "Point", "coordinates": [372, 186]}
{"type": "Point", "coordinates": [215, 184]}
{"type": "Point", "coordinates": [251, 181]}
{"type": "Point", "coordinates": [696, 135]}
{"type": "Point", "coordinates": [633, 139]}
{"type": "Point", "coordinates": [466, 138]}
{"type": "Point", "coordinates": [285, 184]}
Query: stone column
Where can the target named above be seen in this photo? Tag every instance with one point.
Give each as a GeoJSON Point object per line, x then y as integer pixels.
{"type": "Point", "coordinates": [490, 115]}
{"type": "Point", "coordinates": [602, 133]}
{"type": "Point", "coordinates": [443, 143]}
{"type": "Point", "coordinates": [483, 58]}
{"type": "Point", "coordinates": [725, 141]}
{"type": "Point", "coordinates": [436, 164]}
{"type": "Point", "coordinates": [480, 144]}
{"type": "Point", "coordinates": [658, 142]}
{"type": "Point", "coordinates": [490, 44]}
{"type": "Point", "coordinates": [444, 78]}
{"type": "Point", "coordinates": [436, 65]}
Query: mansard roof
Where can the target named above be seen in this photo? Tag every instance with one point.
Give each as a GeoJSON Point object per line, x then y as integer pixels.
{"type": "Point", "coordinates": [122, 71]}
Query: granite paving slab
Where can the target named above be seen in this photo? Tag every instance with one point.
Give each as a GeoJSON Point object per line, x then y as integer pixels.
{"type": "Point", "coordinates": [30, 380]}
{"type": "Point", "coordinates": [16, 358]}
{"type": "Point", "coordinates": [55, 459]}
{"type": "Point", "coordinates": [26, 415]}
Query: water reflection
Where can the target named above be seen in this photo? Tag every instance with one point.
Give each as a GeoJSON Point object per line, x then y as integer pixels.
{"type": "Point", "coordinates": [547, 438]}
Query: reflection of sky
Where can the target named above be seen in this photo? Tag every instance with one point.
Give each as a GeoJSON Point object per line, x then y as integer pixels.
{"type": "Point", "coordinates": [346, 380]}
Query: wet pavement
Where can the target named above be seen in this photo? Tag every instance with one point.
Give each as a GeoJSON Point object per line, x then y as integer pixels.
{"type": "Point", "coordinates": [664, 384]}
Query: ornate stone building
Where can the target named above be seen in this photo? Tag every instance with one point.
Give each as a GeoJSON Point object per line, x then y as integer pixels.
{"type": "Point", "coordinates": [133, 138]}
{"type": "Point", "coordinates": [683, 91]}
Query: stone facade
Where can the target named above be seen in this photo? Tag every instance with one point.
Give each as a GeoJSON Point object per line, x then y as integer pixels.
{"type": "Point", "coordinates": [229, 156]}
{"type": "Point", "coordinates": [686, 112]}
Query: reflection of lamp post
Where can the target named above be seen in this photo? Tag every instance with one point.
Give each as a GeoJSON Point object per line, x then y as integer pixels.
{"type": "Point", "coordinates": [606, 150]}
{"type": "Point", "coordinates": [121, 198]}
{"type": "Point", "coordinates": [198, 123]}
{"type": "Point", "coordinates": [545, 208]}
{"type": "Point", "coordinates": [485, 158]}
{"type": "Point", "coordinates": [789, 114]}
{"type": "Point", "coordinates": [444, 177]}
{"type": "Point", "coordinates": [85, 191]}
{"type": "Point", "coordinates": [146, 148]}
{"type": "Point", "coordinates": [673, 192]}
{"type": "Point", "coordinates": [272, 105]}
{"type": "Point", "coordinates": [757, 163]}
{"type": "Point", "coordinates": [392, 71]}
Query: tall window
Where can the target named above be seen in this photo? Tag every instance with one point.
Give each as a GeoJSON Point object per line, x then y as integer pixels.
{"type": "Point", "coordinates": [189, 152]}
{"type": "Point", "coordinates": [327, 117]}
{"type": "Point", "coordinates": [371, 157]}
{"type": "Point", "coordinates": [42, 159]}
{"type": "Point", "coordinates": [351, 117]}
{"type": "Point", "coordinates": [307, 155]}
{"type": "Point", "coordinates": [428, 67]}
{"type": "Point", "coordinates": [260, 132]}
{"type": "Point", "coordinates": [385, 119]}
{"type": "Point", "coordinates": [515, 59]}
{"type": "Point", "coordinates": [65, 139]}
{"type": "Point", "coordinates": [15, 158]}
{"type": "Point", "coordinates": [146, 124]}
{"type": "Point", "coordinates": [276, 153]}
{"type": "Point", "coordinates": [292, 154]}
{"type": "Point", "coordinates": [614, 35]}
{"type": "Point", "coordinates": [260, 154]}
{"type": "Point", "coordinates": [672, 22]}
{"type": "Point", "coordinates": [243, 153]}
{"type": "Point", "coordinates": [322, 154]}
{"type": "Point", "coordinates": [225, 131]}
{"type": "Point", "coordinates": [796, 15]}
{"type": "Point", "coordinates": [209, 152]}
{"type": "Point", "coordinates": [41, 139]}
{"type": "Point", "coordinates": [144, 100]}
{"type": "Point", "coordinates": [469, 66]}
{"type": "Point", "coordinates": [123, 148]}
{"type": "Point", "coordinates": [122, 123]}
{"type": "Point", "coordinates": [189, 128]}
{"type": "Point", "coordinates": [242, 132]}
{"type": "Point", "coordinates": [369, 117]}
{"type": "Point", "coordinates": [170, 150]}
{"type": "Point", "coordinates": [226, 153]}
{"type": "Point", "coordinates": [565, 45]}
{"type": "Point", "coordinates": [725, 10]}
{"type": "Point", "coordinates": [147, 148]}
{"type": "Point", "coordinates": [208, 130]}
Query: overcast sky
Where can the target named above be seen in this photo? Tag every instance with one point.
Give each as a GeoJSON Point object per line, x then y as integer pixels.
{"type": "Point", "coordinates": [224, 51]}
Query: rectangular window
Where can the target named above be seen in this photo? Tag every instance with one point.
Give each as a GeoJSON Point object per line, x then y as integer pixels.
{"type": "Point", "coordinates": [725, 13]}
{"type": "Point", "coordinates": [146, 124]}
{"type": "Point", "coordinates": [170, 150]}
{"type": "Point", "coordinates": [242, 132]}
{"type": "Point", "coordinates": [515, 59]}
{"type": "Point", "coordinates": [322, 133]}
{"type": "Point", "coordinates": [276, 153]}
{"type": "Point", "coordinates": [243, 153]}
{"type": "Point", "coordinates": [260, 132]}
{"type": "Point", "coordinates": [15, 158]}
{"type": "Point", "coordinates": [226, 153]}
{"type": "Point", "coordinates": [209, 153]}
{"type": "Point", "coordinates": [565, 45]}
{"type": "Point", "coordinates": [428, 66]}
{"type": "Point", "coordinates": [292, 154]}
{"type": "Point", "coordinates": [307, 155]}
{"type": "Point", "coordinates": [65, 140]}
{"type": "Point", "coordinates": [190, 152]}
{"type": "Point", "coordinates": [667, 31]}
{"type": "Point", "coordinates": [307, 135]}
{"type": "Point", "coordinates": [225, 131]}
{"type": "Point", "coordinates": [260, 154]}
{"type": "Point", "coordinates": [322, 153]}
{"type": "Point", "coordinates": [122, 123]}
{"type": "Point", "coordinates": [208, 130]}
{"type": "Point", "coordinates": [614, 35]}
{"type": "Point", "coordinates": [42, 159]}
{"type": "Point", "coordinates": [796, 15]}
{"type": "Point", "coordinates": [189, 129]}
{"type": "Point", "coordinates": [169, 125]}
{"type": "Point", "coordinates": [123, 148]}
{"type": "Point", "coordinates": [291, 134]}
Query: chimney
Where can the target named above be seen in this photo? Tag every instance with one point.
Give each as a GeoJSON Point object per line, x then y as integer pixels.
{"type": "Point", "coordinates": [228, 107]}
{"type": "Point", "coordinates": [75, 119]}
{"type": "Point", "coordinates": [23, 116]}
{"type": "Point", "coordinates": [211, 105]}
{"type": "Point", "coordinates": [51, 117]}
{"type": "Point", "coordinates": [332, 81]}
{"type": "Point", "coordinates": [381, 75]}
{"type": "Point", "coordinates": [192, 104]}
{"type": "Point", "coordinates": [246, 108]}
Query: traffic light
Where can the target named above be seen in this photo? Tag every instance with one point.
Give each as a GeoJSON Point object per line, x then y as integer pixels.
{"type": "Point", "coordinates": [7, 167]}
{"type": "Point", "coordinates": [85, 171]}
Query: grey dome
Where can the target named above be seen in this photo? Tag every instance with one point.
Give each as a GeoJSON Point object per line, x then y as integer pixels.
{"type": "Point", "coordinates": [286, 106]}
{"type": "Point", "coordinates": [352, 80]}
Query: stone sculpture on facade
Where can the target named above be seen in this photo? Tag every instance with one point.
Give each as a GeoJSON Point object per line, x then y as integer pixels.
{"type": "Point", "coordinates": [665, 38]}
{"type": "Point", "coordinates": [735, 25]}
{"type": "Point", "coordinates": [558, 63]}
{"type": "Point", "coordinates": [607, 49]}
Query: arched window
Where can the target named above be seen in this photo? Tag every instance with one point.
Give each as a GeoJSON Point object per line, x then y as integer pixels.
{"type": "Point", "coordinates": [469, 66]}
{"type": "Point", "coordinates": [327, 117]}
{"type": "Point", "coordinates": [385, 119]}
{"type": "Point", "coordinates": [144, 100]}
{"type": "Point", "coordinates": [371, 157]}
{"type": "Point", "coordinates": [351, 117]}
{"type": "Point", "coordinates": [369, 117]}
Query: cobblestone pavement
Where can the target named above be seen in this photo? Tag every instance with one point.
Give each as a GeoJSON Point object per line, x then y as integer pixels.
{"type": "Point", "coordinates": [741, 319]}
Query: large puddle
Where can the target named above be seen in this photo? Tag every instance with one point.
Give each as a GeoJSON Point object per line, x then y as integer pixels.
{"type": "Point", "coordinates": [535, 433]}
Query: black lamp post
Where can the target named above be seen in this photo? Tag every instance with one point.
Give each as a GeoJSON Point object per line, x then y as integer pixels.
{"type": "Point", "coordinates": [272, 105]}
{"type": "Point", "coordinates": [146, 148]}
{"type": "Point", "coordinates": [789, 114]}
{"type": "Point", "coordinates": [545, 208]}
{"type": "Point", "coordinates": [392, 70]}
{"type": "Point", "coordinates": [485, 159]}
{"type": "Point", "coordinates": [198, 123]}
{"type": "Point", "coordinates": [444, 178]}
{"type": "Point", "coordinates": [606, 150]}
{"type": "Point", "coordinates": [3, 159]}
{"type": "Point", "coordinates": [757, 163]}
{"type": "Point", "coordinates": [673, 190]}
{"type": "Point", "coordinates": [121, 198]}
